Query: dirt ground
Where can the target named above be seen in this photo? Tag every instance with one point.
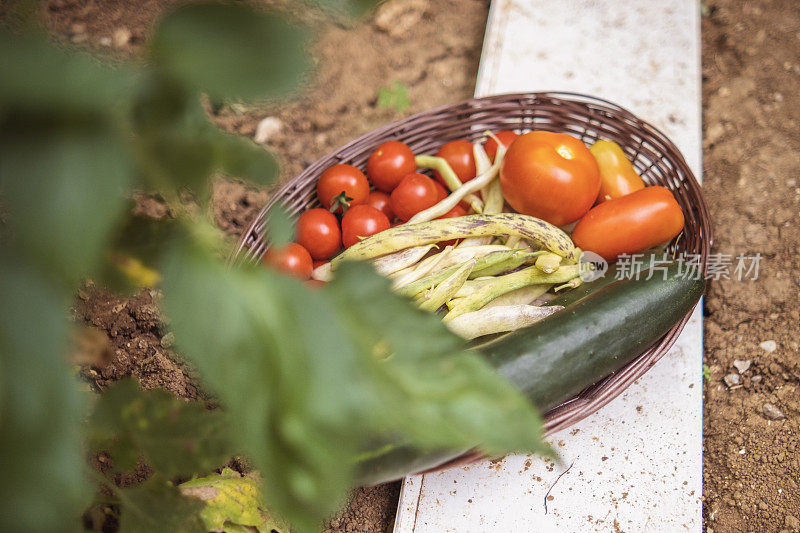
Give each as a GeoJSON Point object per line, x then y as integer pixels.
{"type": "Point", "coordinates": [751, 109]}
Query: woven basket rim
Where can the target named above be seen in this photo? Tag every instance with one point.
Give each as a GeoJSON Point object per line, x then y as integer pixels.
{"type": "Point", "coordinates": [251, 244]}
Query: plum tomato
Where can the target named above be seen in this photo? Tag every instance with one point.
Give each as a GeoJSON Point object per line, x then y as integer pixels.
{"type": "Point", "coordinates": [291, 259]}
{"type": "Point", "coordinates": [630, 223]}
{"type": "Point", "coordinates": [415, 193]}
{"type": "Point", "coordinates": [318, 232]}
{"type": "Point", "coordinates": [380, 201]}
{"type": "Point", "coordinates": [460, 157]}
{"type": "Point", "coordinates": [552, 176]}
{"type": "Point", "coordinates": [390, 163]}
{"type": "Point", "coordinates": [361, 221]}
{"type": "Point", "coordinates": [506, 137]}
{"type": "Point", "coordinates": [341, 186]}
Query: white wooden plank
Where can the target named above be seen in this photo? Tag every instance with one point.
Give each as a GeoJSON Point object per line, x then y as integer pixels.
{"type": "Point", "coordinates": [637, 463]}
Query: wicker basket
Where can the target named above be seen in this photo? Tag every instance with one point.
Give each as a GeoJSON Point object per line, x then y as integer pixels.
{"type": "Point", "coordinates": [653, 155]}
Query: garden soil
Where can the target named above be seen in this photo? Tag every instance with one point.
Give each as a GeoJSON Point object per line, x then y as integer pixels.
{"type": "Point", "coordinates": [751, 105]}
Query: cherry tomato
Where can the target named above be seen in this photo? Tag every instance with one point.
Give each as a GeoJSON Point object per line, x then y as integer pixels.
{"type": "Point", "coordinates": [380, 201]}
{"type": "Point", "coordinates": [318, 232]}
{"type": "Point", "coordinates": [291, 259]}
{"type": "Point", "coordinates": [617, 175]}
{"type": "Point", "coordinates": [415, 193]}
{"type": "Point", "coordinates": [506, 138]}
{"type": "Point", "coordinates": [362, 221]}
{"type": "Point", "coordinates": [341, 186]}
{"type": "Point", "coordinates": [552, 176]}
{"type": "Point", "coordinates": [630, 224]}
{"type": "Point", "coordinates": [460, 157]}
{"type": "Point", "coordinates": [441, 192]}
{"type": "Point", "coordinates": [389, 164]}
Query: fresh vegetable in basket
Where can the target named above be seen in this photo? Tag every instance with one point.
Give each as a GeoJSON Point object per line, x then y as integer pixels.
{"type": "Point", "coordinates": [617, 175]}
{"type": "Point", "coordinates": [557, 357]}
{"type": "Point", "coordinates": [552, 176]}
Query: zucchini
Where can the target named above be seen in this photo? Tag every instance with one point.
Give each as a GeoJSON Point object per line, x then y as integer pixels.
{"type": "Point", "coordinates": [554, 359]}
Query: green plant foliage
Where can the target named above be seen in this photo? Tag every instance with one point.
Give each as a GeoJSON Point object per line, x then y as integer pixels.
{"type": "Point", "coordinates": [232, 503]}
{"type": "Point", "coordinates": [173, 437]}
{"type": "Point", "coordinates": [394, 96]}
{"type": "Point", "coordinates": [231, 51]}
{"type": "Point", "coordinates": [308, 381]}
{"type": "Point", "coordinates": [42, 484]}
{"type": "Point", "coordinates": [157, 505]}
{"type": "Point", "coordinates": [297, 371]}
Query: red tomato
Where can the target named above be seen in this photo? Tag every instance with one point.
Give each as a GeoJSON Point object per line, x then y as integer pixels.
{"type": "Point", "coordinates": [316, 264]}
{"type": "Point", "coordinates": [506, 138]}
{"type": "Point", "coordinates": [552, 176]}
{"type": "Point", "coordinates": [441, 192]}
{"type": "Point", "coordinates": [380, 201]}
{"type": "Point", "coordinates": [291, 259]}
{"type": "Point", "coordinates": [362, 221]}
{"type": "Point", "coordinates": [389, 164]}
{"type": "Point", "coordinates": [318, 232]}
{"type": "Point", "coordinates": [338, 180]}
{"type": "Point", "coordinates": [460, 157]}
{"type": "Point", "coordinates": [630, 223]}
{"type": "Point", "coordinates": [415, 193]}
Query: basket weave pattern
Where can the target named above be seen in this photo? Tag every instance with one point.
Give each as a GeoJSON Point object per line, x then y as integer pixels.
{"type": "Point", "coordinates": [654, 157]}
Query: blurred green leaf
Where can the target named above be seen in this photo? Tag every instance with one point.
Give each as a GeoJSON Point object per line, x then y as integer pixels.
{"type": "Point", "coordinates": [242, 158]}
{"type": "Point", "coordinates": [175, 140]}
{"type": "Point", "coordinates": [310, 378]}
{"type": "Point", "coordinates": [42, 461]}
{"type": "Point", "coordinates": [172, 436]}
{"type": "Point", "coordinates": [442, 395]}
{"type": "Point", "coordinates": [37, 75]}
{"type": "Point", "coordinates": [64, 178]}
{"type": "Point", "coordinates": [178, 146]}
{"type": "Point", "coordinates": [139, 239]}
{"type": "Point", "coordinates": [230, 51]}
{"type": "Point", "coordinates": [280, 226]}
{"type": "Point", "coordinates": [156, 505]}
{"type": "Point", "coordinates": [232, 503]}
{"type": "Point", "coordinates": [288, 392]}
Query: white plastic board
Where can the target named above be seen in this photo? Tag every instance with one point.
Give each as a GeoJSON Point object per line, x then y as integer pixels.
{"type": "Point", "coordinates": [636, 465]}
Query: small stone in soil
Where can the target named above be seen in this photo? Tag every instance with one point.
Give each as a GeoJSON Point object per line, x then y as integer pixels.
{"type": "Point", "coordinates": [742, 365]}
{"type": "Point", "coordinates": [772, 412]}
{"type": "Point", "coordinates": [122, 37]}
{"type": "Point", "coordinates": [756, 379]}
{"type": "Point", "coordinates": [731, 380]}
{"type": "Point", "coordinates": [792, 523]}
{"type": "Point", "coordinates": [104, 41]}
{"type": "Point", "coordinates": [769, 346]}
{"type": "Point", "coordinates": [267, 129]}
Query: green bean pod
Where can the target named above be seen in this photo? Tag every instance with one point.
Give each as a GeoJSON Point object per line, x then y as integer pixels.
{"type": "Point", "coordinates": [446, 289]}
{"type": "Point", "coordinates": [503, 284]}
{"type": "Point", "coordinates": [535, 231]}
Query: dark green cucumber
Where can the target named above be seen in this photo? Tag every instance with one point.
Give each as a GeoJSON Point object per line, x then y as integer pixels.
{"type": "Point", "coordinates": [556, 358]}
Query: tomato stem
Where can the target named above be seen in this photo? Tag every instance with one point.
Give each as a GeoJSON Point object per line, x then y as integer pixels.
{"type": "Point", "coordinates": [340, 200]}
